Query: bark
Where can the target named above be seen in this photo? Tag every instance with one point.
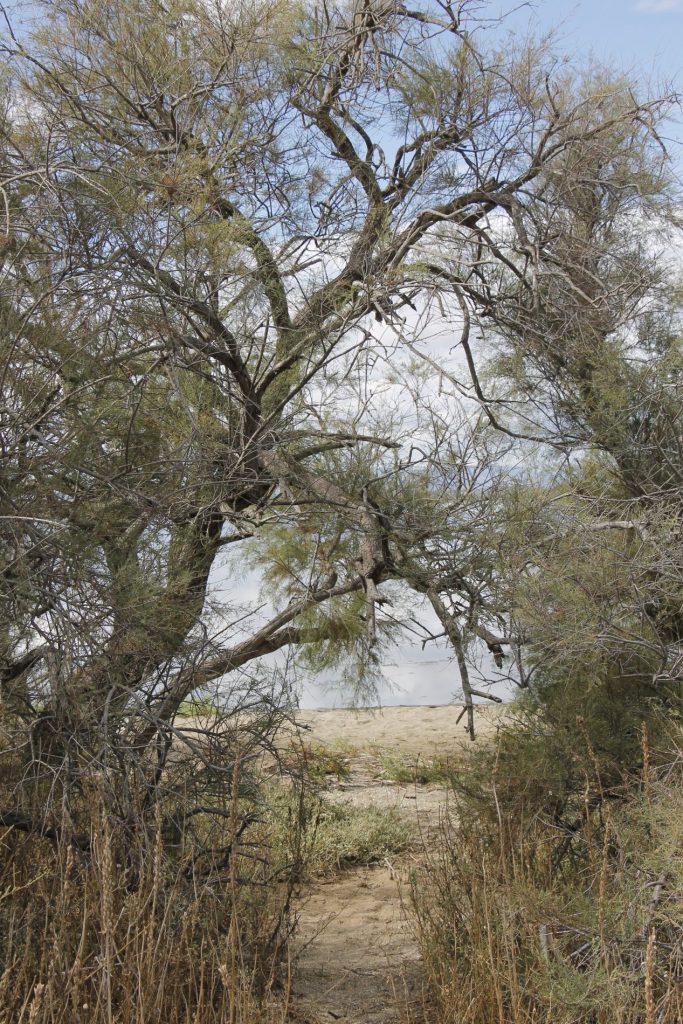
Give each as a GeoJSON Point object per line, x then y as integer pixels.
{"type": "Point", "coordinates": [273, 636]}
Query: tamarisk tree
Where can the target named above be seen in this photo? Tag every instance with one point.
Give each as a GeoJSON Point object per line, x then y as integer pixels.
{"type": "Point", "coordinates": [217, 218]}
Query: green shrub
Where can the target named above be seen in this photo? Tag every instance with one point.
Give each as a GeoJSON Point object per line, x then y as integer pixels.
{"type": "Point", "coordinates": [336, 835]}
{"type": "Point", "coordinates": [348, 835]}
{"type": "Point", "coordinates": [421, 771]}
{"type": "Point", "coordinates": [555, 895]}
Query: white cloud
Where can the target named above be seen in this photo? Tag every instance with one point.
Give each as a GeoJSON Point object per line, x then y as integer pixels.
{"type": "Point", "coordinates": [658, 6]}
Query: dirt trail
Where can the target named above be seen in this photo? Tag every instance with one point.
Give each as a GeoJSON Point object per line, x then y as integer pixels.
{"type": "Point", "coordinates": [358, 962]}
{"type": "Point", "coordinates": [361, 963]}
{"type": "Point", "coordinates": [357, 959]}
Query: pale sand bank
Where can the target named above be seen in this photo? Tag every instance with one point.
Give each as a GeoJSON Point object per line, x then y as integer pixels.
{"type": "Point", "coordinates": [429, 730]}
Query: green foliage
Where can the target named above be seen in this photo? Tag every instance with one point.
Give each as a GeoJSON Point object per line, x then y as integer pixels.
{"type": "Point", "coordinates": [421, 771]}
{"type": "Point", "coordinates": [337, 834]}
{"type": "Point", "coordinates": [554, 895]}
{"type": "Point", "coordinates": [198, 706]}
{"type": "Point", "coordinates": [334, 634]}
{"type": "Point", "coordinates": [349, 836]}
{"type": "Point", "coordinates": [569, 740]}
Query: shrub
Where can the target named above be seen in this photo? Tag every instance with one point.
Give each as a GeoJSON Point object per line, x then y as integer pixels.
{"type": "Point", "coordinates": [418, 770]}
{"type": "Point", "coordinates": [555, 894]}
{"type": "Point", "coordinates": [144, 894]}
{"type": "Point", "coordinates": [335, 835]}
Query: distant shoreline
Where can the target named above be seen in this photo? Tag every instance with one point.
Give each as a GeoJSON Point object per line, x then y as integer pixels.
{"type": "Point", "coordinates": [389, 707]}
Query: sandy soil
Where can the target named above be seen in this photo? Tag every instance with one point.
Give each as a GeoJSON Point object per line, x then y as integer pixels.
{"type": "Point", "coordinates": [429, 730]}
{"type": "Point", "coordinates": [357, 960]}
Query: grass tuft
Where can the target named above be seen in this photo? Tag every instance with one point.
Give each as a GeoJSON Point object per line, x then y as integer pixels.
{"type": "Point", "coordinates": [416, 770]}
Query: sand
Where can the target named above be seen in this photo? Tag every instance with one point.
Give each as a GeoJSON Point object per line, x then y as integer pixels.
{"type": "Point", "coordinates": [430, 730]}
{"type": "Point", "coordinates": [357, 958]}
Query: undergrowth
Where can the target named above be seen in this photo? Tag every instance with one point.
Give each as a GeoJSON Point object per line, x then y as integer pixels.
{"type": "Point", "coordinates": [316, 762]}
{"type": "Point", "coordinates": [130, 895]}
{"type": "Point", "coordinates": [338, 835]}
{"type": "Point", "coordinates": [356, 836]}
{"type": "Point", "coordinates": [555, 892]}
{"type": "Point", "coordinates": [416, 770]}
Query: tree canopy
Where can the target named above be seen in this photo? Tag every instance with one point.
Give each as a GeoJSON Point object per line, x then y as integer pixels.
{"type": "Point", "coordinates": [230, 233]}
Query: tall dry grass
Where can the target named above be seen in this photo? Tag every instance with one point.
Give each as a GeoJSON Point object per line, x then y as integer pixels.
{"type": "Point", "coordinates": [176, 911]}
{"type": "Point", "coordinates": [84, 939]}
{"type": "Point", "coordinates": [523, 920]}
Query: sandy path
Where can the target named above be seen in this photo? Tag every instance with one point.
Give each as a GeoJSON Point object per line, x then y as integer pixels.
{"type": "Point", "coordinates": [357, 959]}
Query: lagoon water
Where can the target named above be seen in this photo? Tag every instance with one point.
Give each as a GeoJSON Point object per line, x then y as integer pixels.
{"type": "Point", "coordinates": [414, 677]}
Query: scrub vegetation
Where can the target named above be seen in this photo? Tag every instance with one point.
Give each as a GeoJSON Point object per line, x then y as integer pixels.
{"type": "Point", "coordinates": [558, 897]}
{"type": "Point", "coordinates": [374, 307]}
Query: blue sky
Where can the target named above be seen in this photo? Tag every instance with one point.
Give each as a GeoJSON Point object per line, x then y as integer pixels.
{"type": "Point", "coordinates": [644, 36]}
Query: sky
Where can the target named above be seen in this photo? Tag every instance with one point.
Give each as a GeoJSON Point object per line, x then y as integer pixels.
{"type": "Point", "coordinates": [644, 36]}
{"type": "Point", "coordinates": [641, 36]}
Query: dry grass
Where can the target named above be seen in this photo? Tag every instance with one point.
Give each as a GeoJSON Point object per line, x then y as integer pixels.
{"type": "Point", "coordinates": [124, 935]}
{"type": "Point", "coordinates": [525, 924]}
{"type": "Point", "coordinates": [86, 940]}
{"type": "Point", "coordinates": [126, 901]}
{"type": "Point", "coordinates": [179, 911]}
{"type": "Point", "coordinates": [315, 762]}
